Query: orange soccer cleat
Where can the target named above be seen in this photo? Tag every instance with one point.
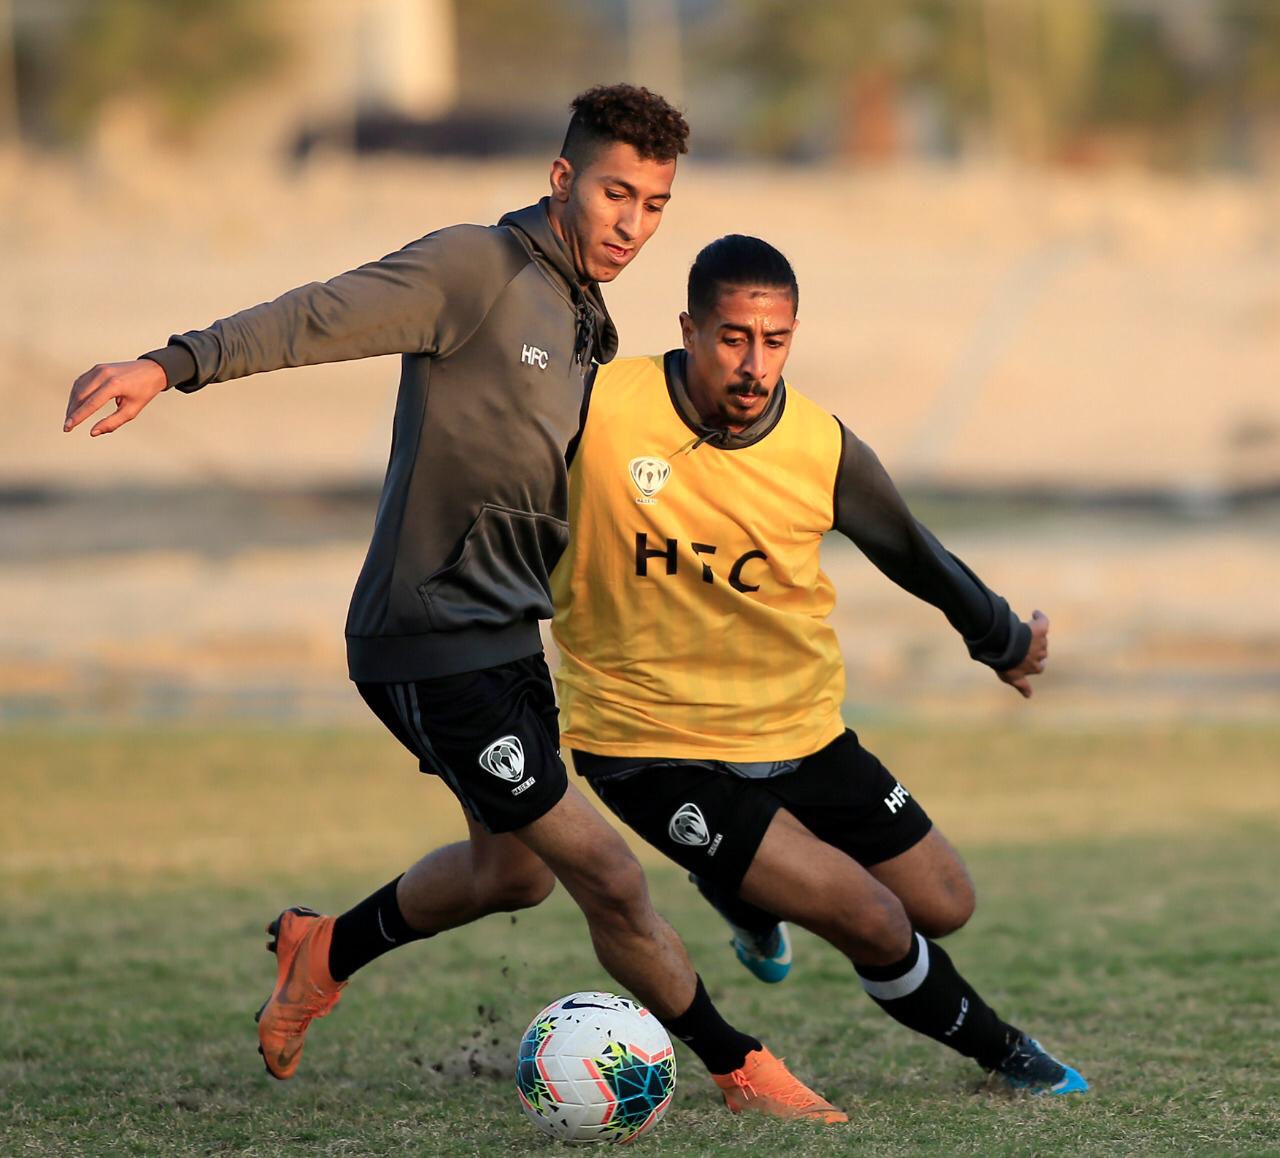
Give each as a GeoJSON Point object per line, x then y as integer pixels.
{"type": "Point", "coordinates": [304, 989]}
{"type": "Point", "coordinates": [765, 1085]}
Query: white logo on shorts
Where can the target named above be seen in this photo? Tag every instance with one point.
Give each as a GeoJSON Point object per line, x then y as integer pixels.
{"type": "Point", "coordinates": [897, 798]}
{"type": "Point", "coordinates": [504, 758]}
{"type": "Point", "coordinates": [688, 826]}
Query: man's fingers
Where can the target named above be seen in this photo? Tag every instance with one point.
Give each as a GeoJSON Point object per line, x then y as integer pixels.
{"type": "Point", "coordinates": [81, 389]}
{"type": "Point", "coordinates": [93, 402]}
{"type": "Point", "coordinates": [1018, 679]}
{"type": "Point", "coordinates": [84, 407]}
{"type": "Point", "coordinates": [1020, 683]}
{"type": "Point", "coordinates": [125, 412]}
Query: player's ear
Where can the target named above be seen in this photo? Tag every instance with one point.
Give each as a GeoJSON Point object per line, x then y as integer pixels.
{"type": "Point", "coordinates": [686, 330]}
{"type": "Point", "coordinates": [561, 179]}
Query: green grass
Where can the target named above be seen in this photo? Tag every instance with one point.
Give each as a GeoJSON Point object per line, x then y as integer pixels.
{"type": "Point", "coordinates": [138, 870]}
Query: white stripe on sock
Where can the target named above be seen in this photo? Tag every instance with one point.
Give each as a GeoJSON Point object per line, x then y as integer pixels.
{"type": "Point", "coordinates": [908, 983]}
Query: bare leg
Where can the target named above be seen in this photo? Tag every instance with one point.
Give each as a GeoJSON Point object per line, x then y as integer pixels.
{"type": "Point", "coordinates": [929, 879]}
{"type": "Point", "coordinates": [803, 879]}
{"type": "Point", "coordinates": [459, 883]}
{"type": "Point", "coordinates": [462, 882]}
{"type": "Point", "coordinates": [800, 877]}
{"type": "Point", "coordinates": [932, 883]}
{"type": "Point", "coordinates": [638, 948]}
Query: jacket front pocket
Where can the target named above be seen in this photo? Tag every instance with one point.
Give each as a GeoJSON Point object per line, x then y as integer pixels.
{"type": "Point", "coordinates": [499, 573]}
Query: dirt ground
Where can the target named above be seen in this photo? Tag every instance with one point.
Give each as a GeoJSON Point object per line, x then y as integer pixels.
{"type": "Point", "coordinates": [1152, 616]}
{"type": "Point", "coordinates": [975, 326]}
{"type": "Point", "coordinates": [983, 330]}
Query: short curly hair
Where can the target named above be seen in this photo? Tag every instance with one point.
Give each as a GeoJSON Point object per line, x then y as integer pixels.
{"type": "Point", "coordinates": [623, 112]}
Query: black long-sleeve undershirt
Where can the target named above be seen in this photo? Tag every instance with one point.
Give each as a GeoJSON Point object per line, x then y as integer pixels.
{"type": "Point", "coordinates": [875, 517]}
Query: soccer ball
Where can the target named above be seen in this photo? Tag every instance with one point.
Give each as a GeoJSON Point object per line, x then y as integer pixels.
{"type": "Point", "coordinates": [594, 1067]}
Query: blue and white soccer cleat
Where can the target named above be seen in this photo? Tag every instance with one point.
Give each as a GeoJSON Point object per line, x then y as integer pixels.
{"type": "Point", "coordinates": [767, 956]}
{"type": "Point", "coordinates": [767, 953]}
{"type": "Point", "coordinates": [1029, 1066]}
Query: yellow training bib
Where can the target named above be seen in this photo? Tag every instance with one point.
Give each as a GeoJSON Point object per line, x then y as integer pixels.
{"type": "Point", "coordinates": [691, 611]}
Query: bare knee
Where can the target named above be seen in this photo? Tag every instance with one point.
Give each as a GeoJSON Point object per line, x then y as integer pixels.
{"type": "Point", "coordinates": [504, 891]}
{"type": "Point", "coordinates": [949, 910]}
{"type": "Point", "coordinates": [878, 932]}
{"type": "Point", "coordinates": [941, 924]}
{"type": "Point", "coordinates": [614, 891]}
{"type": "Point", "coordinates": [885, 933]}
{"type": "Point", "coordinates": [593, 863]}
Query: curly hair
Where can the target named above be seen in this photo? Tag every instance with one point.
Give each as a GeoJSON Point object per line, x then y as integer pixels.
{"type": "Point", "coordinates": [623, 112]}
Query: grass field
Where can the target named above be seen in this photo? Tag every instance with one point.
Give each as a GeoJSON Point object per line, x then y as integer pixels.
{"type": "Point", "coordinates": [1128, 915]}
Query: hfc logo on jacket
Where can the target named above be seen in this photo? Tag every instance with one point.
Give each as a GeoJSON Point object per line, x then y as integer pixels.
{"type": "Point", "coordinates": [532, 356]}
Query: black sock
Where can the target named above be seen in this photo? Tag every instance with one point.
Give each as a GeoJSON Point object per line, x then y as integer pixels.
{"type": "Point", "coordinates": [720, 1047]}
{"type": "Point", "coordinates": [734, 909]}
{"type": "Point", "coordinates": [363, 933]}
{"type": "Point", "coordinates": [924, 992]}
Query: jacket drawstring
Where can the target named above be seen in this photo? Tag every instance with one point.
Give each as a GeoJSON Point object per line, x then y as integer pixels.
{"type": "Point", "coordinates": [693, 443]}
{"type": "Point", "coordinates": [584, 339]}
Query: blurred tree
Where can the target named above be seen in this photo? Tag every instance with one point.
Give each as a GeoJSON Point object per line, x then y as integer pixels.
{"type": "Point", "coordinates": [1073, 35]}
{"type": "Point", "coordinates": [9, 128]}
{"type": "Point", "coordinates": [1253, 30]}
{"type": "Point", "coordinates": [793, 60]}
{"type": "Point", "coordinates": [1174, 78]}
{"type": "Point", "coordinates": [1255, 24]}
{"type": "Point", "coordinates": [1179, 82]}
{"type": "Point", "coordinates": [1138, 80]}
{"type": "Point", "coordinates": [533, 58]}
{"type": "Point", "coordinates": [180, 57]}
{"type": "Point", "coordinates": [1015, 77]}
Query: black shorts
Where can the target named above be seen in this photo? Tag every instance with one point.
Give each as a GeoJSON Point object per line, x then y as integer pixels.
{"type": "Point", "coordinates": [492, 735]}
{"type": "Point", "coordinates": [710, 819]}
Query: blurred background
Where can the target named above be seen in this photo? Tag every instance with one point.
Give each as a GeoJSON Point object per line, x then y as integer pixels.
{"type": "Point", "coordinates": [1039, 252]}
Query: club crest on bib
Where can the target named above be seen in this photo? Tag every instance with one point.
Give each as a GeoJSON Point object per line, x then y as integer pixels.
{"type": "Point", "coordinates": [504, 758]}
{"type": "Point", "coordinates": [649, 474]}
{"type": "Point", "coordinates": [689, 826]}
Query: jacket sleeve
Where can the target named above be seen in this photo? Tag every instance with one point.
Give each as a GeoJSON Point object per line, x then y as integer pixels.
{"type": "Point", "coordinates": [870, 511]}
{"type": "Point", "coordinates": [426, 298]}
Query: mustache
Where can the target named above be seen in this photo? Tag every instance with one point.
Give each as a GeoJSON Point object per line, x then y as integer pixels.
{"type": "Point", "coordinates": [753, 388]}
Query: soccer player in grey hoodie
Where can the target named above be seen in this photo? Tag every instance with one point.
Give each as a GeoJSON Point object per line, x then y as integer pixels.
{"type": "Point", "coordinates": [497, 328]}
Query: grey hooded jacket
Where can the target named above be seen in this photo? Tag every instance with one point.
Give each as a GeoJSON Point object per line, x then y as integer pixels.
{"type": "Point", "coordinates": [496, 334]}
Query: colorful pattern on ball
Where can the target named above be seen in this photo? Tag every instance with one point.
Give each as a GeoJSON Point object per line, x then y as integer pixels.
{"type": "Point", "coordinates": [640, 1086]}
{"type": "Point", "coordinates": [529, 1080]}
{"type": "Point", "coordinates": [594, 1067]}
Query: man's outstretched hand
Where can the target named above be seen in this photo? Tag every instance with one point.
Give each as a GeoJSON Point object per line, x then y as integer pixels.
{"type": "Point", "coordinates": [130, 384]}
{"type": "Point", "coordinates": [1037, 655]}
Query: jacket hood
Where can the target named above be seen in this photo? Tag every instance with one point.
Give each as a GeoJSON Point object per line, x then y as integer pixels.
{"type": "Point", "coordinates": [533, 224]}
{"type": "Point", "coordinates": [675, 365]}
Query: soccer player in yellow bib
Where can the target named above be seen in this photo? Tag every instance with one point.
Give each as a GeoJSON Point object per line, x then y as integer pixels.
{"type": "Point", "coordinates": [701, 683]}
